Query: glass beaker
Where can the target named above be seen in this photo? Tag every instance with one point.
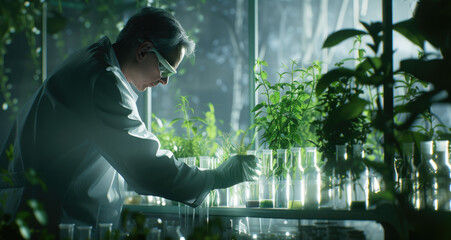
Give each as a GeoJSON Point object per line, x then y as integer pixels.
{"type": "Point", "coordinates": [341, 179]}
{"type": "Point", "coordinates": [266, 180]}
{"type": "Point", "coordinates": [312, 180]}
{"type": "Point", "coordinates": [191, 161]}
{"type": "Point", "coordinates": [281, 180]}
{"type": "Point", "coordinates": [205, 162]}
{"type": "Point", "coordinates": [295, 174]}
{"type": "Point", "coordinates": [66, 231]}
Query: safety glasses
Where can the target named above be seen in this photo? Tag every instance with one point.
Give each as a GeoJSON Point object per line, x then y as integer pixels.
{"type": "Point", "coordinates": [166, 70]}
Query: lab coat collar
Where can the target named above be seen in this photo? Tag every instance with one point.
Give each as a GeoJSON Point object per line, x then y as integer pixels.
{"type": "Point", "coordinates": [111, 60]}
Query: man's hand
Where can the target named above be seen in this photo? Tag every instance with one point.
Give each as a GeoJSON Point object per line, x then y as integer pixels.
{"type": "Point", "coordinates": [236, 169]}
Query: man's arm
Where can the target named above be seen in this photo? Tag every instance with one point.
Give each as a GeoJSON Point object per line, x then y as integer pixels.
{"type": "Point", "coordinates": [122, 138]}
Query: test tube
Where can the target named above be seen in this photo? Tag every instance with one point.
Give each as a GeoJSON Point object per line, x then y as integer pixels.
{"type": "Point", "coordinates": [66, 231]}
{"type": "Point", "coordinates": [84, 232]}
{"type": "Point", "coordinates": [105, 231]}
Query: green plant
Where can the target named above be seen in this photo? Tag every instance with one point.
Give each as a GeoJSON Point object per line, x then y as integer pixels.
{"type": "Point", "coordinates": [286, 113]}
{"type": "Point", "coordinates": [233, 144]}
{"type": "Point", "coordinates": [200, 136]}
{"type": "Point", "coordinates": [239, 147]}
{"type": "Point", "coordinates": [371, 72]}
{"type": "Point", "coordinates": [342, 119]}
{"type": "Point", "coordinates": [427, 25]}
{"type": "Point", "coordinates": [426, 123]}
{"type": "Point", "coordinates": [164, 131]}
{"type": "Point", "coordinates": [29, 222]}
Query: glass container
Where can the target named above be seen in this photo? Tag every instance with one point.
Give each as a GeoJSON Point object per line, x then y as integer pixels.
{"type": "Point", "coordinates": [252, 189]}
{"type": "Point", "coordinates": [84, 232]}
{"type": "Point", "coordinates": [327, 190]}
{"type": "Point", "coordinates": [190, 161]}
{"type": "Point", "coordinates": [266, 180]}
{"type": "Point", "coordinates": [236, 193]}
{"type": "Point", "coordinates": [443, 176]}
{"type": "Point", "coordinates": [312, 180]}
{"type": "Point", "coordinates": [220, 195]}
{"type": "Point", "coordinates": [205, 162]}
{"type": "Point", "coordinates": [66, 231]}
{"type": "Point", "coordinates": [341, 179]}
{"type": "Point", "coordinates": [281, 179]}
{"type": "Point", "coordinates": [105, 231]}
{"type": "Point", "coordinates": [407, 169]}
{"type": "Point", "coordinates": [425, 177]}
{"type": "Point", "coordinates": [296, 174]}
{"type": "Point", "coordinates": [359, 179]}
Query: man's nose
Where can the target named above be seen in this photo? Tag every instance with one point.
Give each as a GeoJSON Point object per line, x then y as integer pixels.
{"type": "Point", "coordinates": [164, 81]}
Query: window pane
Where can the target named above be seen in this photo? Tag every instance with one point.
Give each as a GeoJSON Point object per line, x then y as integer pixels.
{"type": "Point", "coordinates": [218, 73]}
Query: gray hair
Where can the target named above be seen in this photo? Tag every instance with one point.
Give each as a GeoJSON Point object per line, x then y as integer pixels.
{"type": "Point", "coordinates": [158, 26]}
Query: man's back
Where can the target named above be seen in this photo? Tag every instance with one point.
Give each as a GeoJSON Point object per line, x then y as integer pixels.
{"type": "Point", "coordinates": [52, 136]}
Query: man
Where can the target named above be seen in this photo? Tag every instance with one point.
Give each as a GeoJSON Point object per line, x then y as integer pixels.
{"type": "Point", "coordinates": [81, 131]}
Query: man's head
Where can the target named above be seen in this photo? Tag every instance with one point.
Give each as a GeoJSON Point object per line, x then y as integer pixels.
{"type": "Point", "coordinates": [152, 43]}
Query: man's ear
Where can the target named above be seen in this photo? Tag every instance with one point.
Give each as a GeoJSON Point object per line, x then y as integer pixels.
{"type": "Point", "coordinates": [142, 49]}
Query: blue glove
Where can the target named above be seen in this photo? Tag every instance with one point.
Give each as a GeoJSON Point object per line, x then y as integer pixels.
{"type": "Point", "coordinates": [236, 169]}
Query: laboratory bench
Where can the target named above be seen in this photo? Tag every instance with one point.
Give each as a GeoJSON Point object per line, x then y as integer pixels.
{"type": "Point", "coordinates": [383, 222]}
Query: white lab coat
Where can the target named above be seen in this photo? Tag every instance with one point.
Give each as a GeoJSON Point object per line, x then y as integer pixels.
{"type": "Point", "coordinates": [82, 133]}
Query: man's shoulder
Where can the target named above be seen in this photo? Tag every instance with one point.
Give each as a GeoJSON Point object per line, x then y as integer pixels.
{"type": "Point", "coordinates": [86, 63]}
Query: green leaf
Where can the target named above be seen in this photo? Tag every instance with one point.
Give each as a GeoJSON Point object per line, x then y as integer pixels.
{"type": "Point", "coordinates": [6, 178]}
{"type": "Point", "coordinates": [175, 120]}
{"type": "Point", "coordinates": [414, 108]}
{"type": "Point", "coordinates": [373, 29]}
{"type": "Point", "coordinates": [369, 63]}
{"type": "Point", "coordinates": [332, 76]}
{"type": "Point", "coordinates": [410, 136]}
{"type": "Point", "coordinates": [258, 106]}
{"type": "Point", "coordinates": [409, 30]}
{"type": "Point", "coordinates": [21, 224]}
{"type": "Point", "coordinates": [375, 80]}
{"type": "Point", "coordinates": [339, 36]}
{"type": "Point", "coordinates": [275, 97]}
{"type": "Point", "coordinates": [25, 231]}
{"type": "Point", "coordinates": [361, 53]}
{"type": "Point", "coordinates": [198, 119]}
{"type": "Point", "coordinates": [352, 109]}
{"type": "Point", "coordinates": [264, 75]}
{"type": "Point", "coordinates": [38, 211]}
{"type": "Point", "coordinates": [194, 129]}
{"type": "Point", "coordinates": [434, 71]}
{"type": "Point", "coordinates": [262, 62]}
